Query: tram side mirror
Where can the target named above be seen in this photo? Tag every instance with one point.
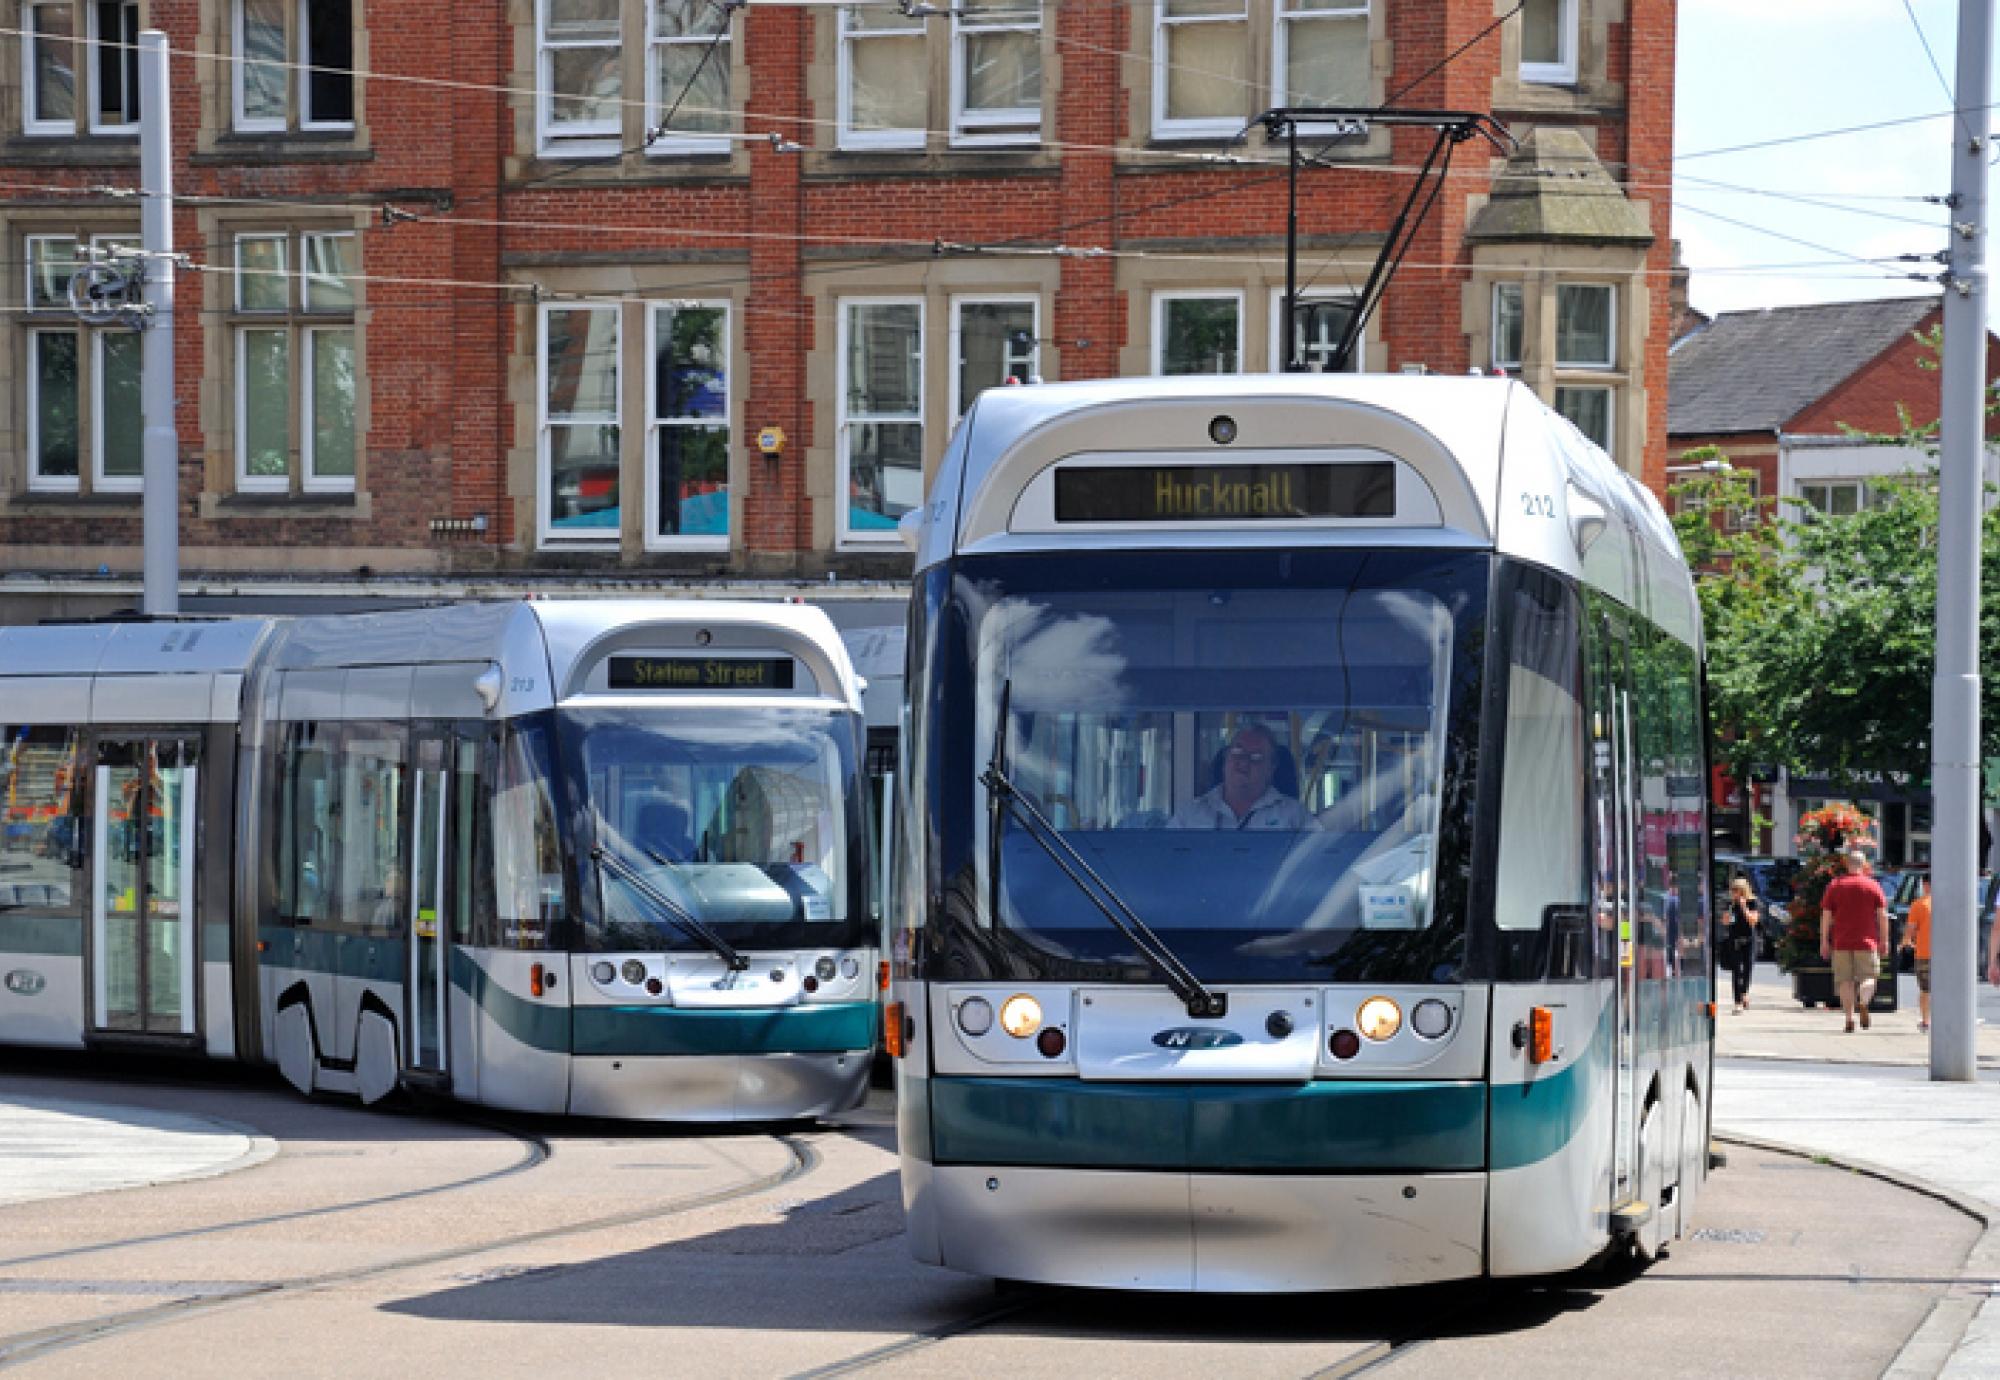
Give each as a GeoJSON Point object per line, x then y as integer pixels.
{"type": "Point", "coordinates": [1568, 931]}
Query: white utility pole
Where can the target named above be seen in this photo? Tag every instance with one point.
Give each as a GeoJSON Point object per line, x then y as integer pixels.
{"type": "Point", "coordinates": [1961, 438]}
{"type": "Point", "coordinates": [161, 451]}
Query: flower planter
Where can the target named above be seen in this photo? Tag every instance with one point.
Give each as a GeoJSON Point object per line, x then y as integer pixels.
{"type": "Point", "coordinates": [1814, 987]}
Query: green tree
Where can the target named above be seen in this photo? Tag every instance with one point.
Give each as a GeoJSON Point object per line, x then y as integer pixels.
{"type": "Point", "coordinates": [1821, 630]}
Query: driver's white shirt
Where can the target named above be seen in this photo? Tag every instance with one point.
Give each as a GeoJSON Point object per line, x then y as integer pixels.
{"type": "Point", "coordinates": [1210, 811]}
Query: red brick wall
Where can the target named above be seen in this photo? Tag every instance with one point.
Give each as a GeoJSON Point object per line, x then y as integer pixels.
{"type": "Point", "coordinates": [441, 349]}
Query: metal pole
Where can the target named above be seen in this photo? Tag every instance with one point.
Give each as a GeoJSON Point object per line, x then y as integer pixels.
{"type": "Point", "coordinates": [161, 444]}
{"type": "Point", "coordinates": [1290, 337]}
{"type": "Point", "coordinates": [1955, 703]}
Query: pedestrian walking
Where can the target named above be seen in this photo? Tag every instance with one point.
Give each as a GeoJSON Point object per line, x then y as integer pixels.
{"type": "Point", "coordinates": [1854, 934]}
{"type": "Point", "coordinates": [1917, 937]}
{"type": "Point", "coordinates": [1742, 939]}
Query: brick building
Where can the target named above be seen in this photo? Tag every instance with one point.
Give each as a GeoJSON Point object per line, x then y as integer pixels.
{"type": "Point", "coordinates": [485, 297]}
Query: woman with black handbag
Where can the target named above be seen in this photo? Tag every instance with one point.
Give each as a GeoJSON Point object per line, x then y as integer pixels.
{"type": "Point", "coordinates": [1742, 936]}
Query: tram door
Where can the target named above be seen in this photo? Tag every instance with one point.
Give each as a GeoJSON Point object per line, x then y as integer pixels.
{"type": "Point", "coordinates": [1614, 788]}
{"type": "Point", "coordinates": [425, 1018]}
{"type": "Point", "coordinates": [142, 909]}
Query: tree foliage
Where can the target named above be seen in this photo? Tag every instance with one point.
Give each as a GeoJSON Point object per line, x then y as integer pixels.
{"type": "Point", "coordinates": [1822, 630]}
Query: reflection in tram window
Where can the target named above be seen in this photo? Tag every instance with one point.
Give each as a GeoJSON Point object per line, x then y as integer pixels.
{"type": "Point", "coordinates": [371, 862]}
{"type": "Point", "coordinates": [1127, 709]}
{"type": "Point", "coordinates": [305, 820]}
{"type": "Point", "coordinates": [746, 821]}
{"type": "Point", "coordinates": [527, 858]}
{"type": "Point", "coordinates": [39, 814]}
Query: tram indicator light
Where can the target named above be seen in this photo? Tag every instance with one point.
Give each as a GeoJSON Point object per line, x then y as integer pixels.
{"type": "Point", "coordinates": [1541, 1034]}
{"type": "Point", "coordinates": [1225, 493]}
{"type": "Point", "coordinates": [698, 673]}
{"type": "Point", "coordinates": [892, 1029]}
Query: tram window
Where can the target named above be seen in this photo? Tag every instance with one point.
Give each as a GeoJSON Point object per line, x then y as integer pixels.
{"type": "Point", "coordinates": [1144, 731]}
{"type": "Point", "coordinates": [306, 819]}
{"type": "Point", "coordinates": [1657, 934]}
{"type": "Point", "coordinates": [527, 860]}
{"type": "Point", "coordinates": [1542, 827]}
{"type": "Point", "coordinates": [1687, 822]}
{"type": "Point", "coordinates": [39, 817]}
{"type": "Point", "coordinates": [372, 864]}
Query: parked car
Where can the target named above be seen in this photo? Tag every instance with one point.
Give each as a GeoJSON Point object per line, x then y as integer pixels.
{"type": "Point", "coordinates": [1771, 880]}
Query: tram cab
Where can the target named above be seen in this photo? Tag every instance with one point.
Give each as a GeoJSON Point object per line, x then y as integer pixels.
{"type": "Point", "coordinates": [1248, 934]}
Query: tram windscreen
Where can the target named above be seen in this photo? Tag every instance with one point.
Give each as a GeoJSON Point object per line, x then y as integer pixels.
{"type": "Point", "coordinates": [1255, 764]}
{"type": "Point", "coordinates": [748, 819]}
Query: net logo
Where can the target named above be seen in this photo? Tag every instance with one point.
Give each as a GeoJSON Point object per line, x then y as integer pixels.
{"type": "Point", "coordinates": [1193, 1037]}
{"type": "Point", "coordinates": [25, 982]}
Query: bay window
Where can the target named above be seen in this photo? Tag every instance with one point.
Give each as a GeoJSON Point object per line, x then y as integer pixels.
{"type": "Point", "coordinates": [689, 426]}
{"type": "Point", "coordinates": [580, 423]}
{"type": "Point", "coordinates": [297, 361]}
{"type": "Point", "coordinates": [880, 466]}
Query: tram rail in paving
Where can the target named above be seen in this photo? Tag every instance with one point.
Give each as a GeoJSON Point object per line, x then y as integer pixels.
{"type": "Point", "coordinates": [201, 1297]}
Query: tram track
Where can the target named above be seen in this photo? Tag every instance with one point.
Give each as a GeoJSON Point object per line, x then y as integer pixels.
{"type": "Point", "coordinates": [20, 1348]}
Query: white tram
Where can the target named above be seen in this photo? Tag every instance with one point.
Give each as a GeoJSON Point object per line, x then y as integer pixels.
{"type": "Point", "coordinates": [601, 858]}
{"type": "Point", "coordinates": [1304, 872]}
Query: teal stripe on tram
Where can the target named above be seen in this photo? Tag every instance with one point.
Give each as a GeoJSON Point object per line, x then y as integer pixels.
{"type": "Point", "coordinates": [26, 934]}
{"type": "Point", "coordinates": [1327, 1127]}
{"type": "Point", "coordinates": [1535, 1119]}
{"type": "Point", "coordinates": [841, 1028]}
{"type": "Point", "coordinates": [536, 1025]}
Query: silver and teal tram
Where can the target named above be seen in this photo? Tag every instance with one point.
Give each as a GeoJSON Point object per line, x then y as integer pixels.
{"type": "Point", "coordinates": [1302, 878]}
{"type": "Point", "coordinates": [600, 858]}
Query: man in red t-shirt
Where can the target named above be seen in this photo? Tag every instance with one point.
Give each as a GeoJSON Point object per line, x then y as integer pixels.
{"type": "Point", "coordinates": [1854, 934]}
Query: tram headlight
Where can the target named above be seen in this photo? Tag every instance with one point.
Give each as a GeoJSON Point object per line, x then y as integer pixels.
{"type": "Point", "coordinates": [1431, 1019]}
{"type": "Point", "coordinates": [603, 972]}
{"type": "Point", "coordinates": [975, 1016]}
{"type": "Point", "coordinates": [634, 971]}
{"type": "Point", "coordinates": [1020, 1016]}
{"type": "Point", "coordinates": [825, 968]}
{"type": "Point", "coordinates": [1379, 1018]}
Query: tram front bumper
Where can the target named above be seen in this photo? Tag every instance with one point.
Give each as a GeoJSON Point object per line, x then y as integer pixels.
{"type": "Point", "coordinates": [719, 1087]}
{"type": "Point", "coordinates": [1205, 1232]}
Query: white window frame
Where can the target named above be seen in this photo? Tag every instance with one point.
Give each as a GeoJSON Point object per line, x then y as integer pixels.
{"type": "Point", "coordinates": [548, 534]}
{"type": "Point", "coordinates": [310, 480]}
{"type": "Point", "coordinates": [656, 423]}
{"type": "Point", "coordinates": [300, 324]}
{"type": "Point", "coordinates": [1861, 495]}
{"type": "Point", "coordinates": [1357, 362]}
{"type": "Point", "coordinates": [846, 536]}
{"type": "Point", "coordinates": [1495, 335]}
{"type": "Point", "coordinates": [656, 109]}
{"type": "Point", "coordinates": [245, 481]}
{"type": "Point", "coordinates": [1738, 518]}
{"type": "Point", "coordinates": [31, 121]}
{"type": "Point", "coordinates": [29, 243]}
{"type": "Point", "coordinates": [955, 345]}
{"type": "Point", "coordinates": [573, 140]}
{"type": "Point", "coordinates": [100, 482]}
{"type": "Point", "coordinates": [240, 121]}
{"type": "Point", "coordinates": [1561, 72]}
{"type": "Point", "coordinates": [37, 481]}
{"type": "Point", "coordinates": [1014, 125]}
{"type": "Point", "coordinates": [1211, 128]}
{"type": "Point", "coordinates": [302, 78]}
{"type": "Point", "coordinates": [1610, 361]}
{"type": "Point", "coordinates": [1162, 297]}
{"type": "Point", "coordinates": [1283, 20]}
{"type": "Point", "coordinates": [90, 86]}
{"type": "Point", "coordinates": [1610, 392]}
{"type": "Point", "coordinates": [850, 137]}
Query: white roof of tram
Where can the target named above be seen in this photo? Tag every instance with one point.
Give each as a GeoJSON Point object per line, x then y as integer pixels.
{"type": "Point", "coordinates": [1494, 467]}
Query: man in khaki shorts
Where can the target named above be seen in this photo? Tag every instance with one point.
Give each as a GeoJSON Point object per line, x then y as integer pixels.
{"type": "Point", "coordinates": [1854, 934]}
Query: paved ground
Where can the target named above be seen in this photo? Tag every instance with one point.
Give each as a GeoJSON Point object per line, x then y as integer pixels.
{"type": "Point", "coordinates": [781, 1254]}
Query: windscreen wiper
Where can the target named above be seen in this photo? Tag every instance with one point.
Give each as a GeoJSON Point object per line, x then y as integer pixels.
{"type": "Point", "coordinates": [1201, 1003]}
{"type": "Point", "coordinates": [626, 873]}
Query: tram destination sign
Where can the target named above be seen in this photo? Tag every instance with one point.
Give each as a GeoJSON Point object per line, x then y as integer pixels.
{"type": "Point", "coordinates": [699, 673]}
{"type": "Point", "coordinates": [1225, 493]}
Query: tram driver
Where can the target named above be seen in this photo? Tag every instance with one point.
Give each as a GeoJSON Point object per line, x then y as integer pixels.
{"type": "Point", "coordinates": [1251, 789]}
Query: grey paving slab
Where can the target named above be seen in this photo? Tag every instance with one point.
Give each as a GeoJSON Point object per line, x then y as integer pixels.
{"type": "Point", "coordinates": [55, 1147]}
